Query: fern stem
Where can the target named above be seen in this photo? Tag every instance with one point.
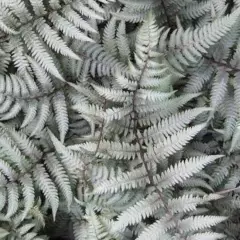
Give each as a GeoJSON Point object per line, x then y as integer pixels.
{"type": "Point", "coordinates": [223, 64]}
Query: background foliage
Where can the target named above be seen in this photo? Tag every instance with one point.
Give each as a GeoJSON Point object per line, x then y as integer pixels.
{"type": "Point", "coordinates": [119, 119]}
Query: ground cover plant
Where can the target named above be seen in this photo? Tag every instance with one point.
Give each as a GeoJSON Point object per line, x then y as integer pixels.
{"type": "Point", "coordinates": [119, 119]}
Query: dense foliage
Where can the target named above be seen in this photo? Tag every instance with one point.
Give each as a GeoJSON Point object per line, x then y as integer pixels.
{"type": "Point", "coordinates": [119, 119]}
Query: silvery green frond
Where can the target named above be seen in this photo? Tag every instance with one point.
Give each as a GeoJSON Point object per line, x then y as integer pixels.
{"type": "Point", "coordinates": [235, 139]}
{"type": "Point", "coordinates": [69, 157]}
{"type": "Point", "coordinates": [191, 52]}
{"type": "Point", "coordinates": [43, 114]}
{"type": "Point", "coordinates": [199, 78]}
{"type": "Point", "coordinates": [113, 95]}
{"type": "Point", "coordinates": [109, 41]}
{"type": "Point", "coordinates": [13, 196]}
{"type": "Point", "coordinates": [28, 192]}
{"type": "Point", "coordinates": [167, 107]}
{"type": "Point", "coordinates": [8, 171]}
{"type": "Point", "coordinates": [123, 42]}
{"type": "Point", "coordinates": [71, 24]}
{"type": "Point", "coordinates": [99, 62]}
{"type": "Point", "coordinates": [47, 186]}
{"type": "Point", "coordinates": [219, 88]}
{"type": "Point", "coordinates": [60, 176]}
{"type": "Point", "coordinates": [53, 40]}
{"type": "Point", "coordinates": [60, 108]}
{"type": "Point", "coordinates": [26, 146]}
{"type": "Point", "coordinates": [188, 203]}
{"type": "Point", "coordinates": [158, 229]}
{"type": "Point", "coordinates": [233, 179]}
{"type": "Point", "coordinates": [183, 170]}
{"type": "Point", "coordinates": [171, 144]}
{"type": "Point", "coordinates": [33, 174]}
{"type": "Point", "coordinates": [129, 180]}
{"type": "Point", "coordinates": [37, 50]}
{"type": "Point", "coordinates": [98, 227]}
{"type": "Point", "coordinates": [136, 213]}
{"type": "Point", "coordinates": [195, 10]}
{"type": "Point", "coordinates": [136, 11]}
{"type": "Point", "coordinates": [117, 150]}
{"type": "Point", "coordinates": [197, 183]}
{"type": "Point", "coordinates": [231, 116]}
{"type": "Point", "coordinates": [206, 235]}
{"type": "Point", "coordinates": [172, 124]}
{"type": "Point", "coordinates": [199, 222]}
{"type": "Point", "coordinates": [221, 171]}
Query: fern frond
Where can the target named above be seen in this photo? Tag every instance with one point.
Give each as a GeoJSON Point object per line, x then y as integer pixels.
{"type": "Point", "coordinates": [28, 193]}
{"type": "Point", "coordinates": [141, 210]}
{"type": "Point", "coordinates": [67, 27]}
{"type": "Point", "coordinates": [231, 117]}
{"type": "Point", "coordinates": [13, 196]}
{"type": "Point", "coordinates": [171, 144]}
{"type": "Point", "coordinates": [129, 180]}
{"type": "Point", "coordinates": [113, 95]}
{"type": "Point", "coordinates": [183, 170]}
{"type": "Point", "coordinates": [47, 186]}
{"type": "Point", "coordinates": [98, 227]}
{"type": "Point", "coordinates": [122, 42]}
{"type": "Point", "coordinates": [157, 229]}
{"type": "Point", "coordinates": [109, 33]}
{"type": "Point", "coordinates": [43, 114]}
{"type": "Point", "coordinates": [187, 47]}
{"type": "Point", "coordinates": [206, 236]}
{"type": "Point", "coordinates": [172, 124]}
{"type": "Point", "coordinates": [219, 88]}
{"type": "Point", "coordinates": [199, 222]}
{"type": "Point", "coordinates": [53, 40]}
{"type": "Point", "coordinates": [188, 203]}
{"type": "Point", "coordinates": [61, 178]}
{"type": "Point", "coordinates": [39, 53]}
{"type": "Point", "coordinates": [60, 108]}
{"type": "Point", "coordinates": [195, 10]}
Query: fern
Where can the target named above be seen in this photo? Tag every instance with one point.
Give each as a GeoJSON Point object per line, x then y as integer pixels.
{"type": "Point", "coordinates": [148, 170]}
{"type": "Point", "coordinates": [119, 119]}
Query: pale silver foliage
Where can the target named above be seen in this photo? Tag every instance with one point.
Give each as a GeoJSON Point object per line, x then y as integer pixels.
{"type": "Point", "coordinates": [142, 110]}
{"type": "Point", "coordinates": [119, 119]}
